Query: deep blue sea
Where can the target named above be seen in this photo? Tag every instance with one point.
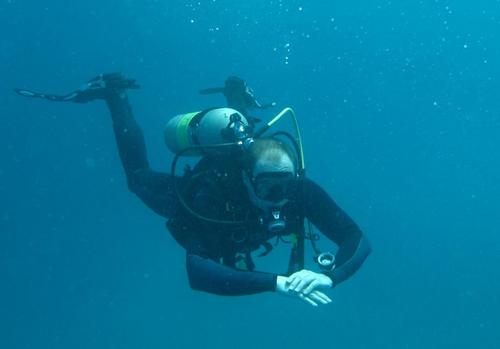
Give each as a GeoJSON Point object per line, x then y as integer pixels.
{"type": "Point", "coordinates": [399, 107]}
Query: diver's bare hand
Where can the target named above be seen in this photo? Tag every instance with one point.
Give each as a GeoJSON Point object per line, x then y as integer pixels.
{"type": "Point", "coordinates": [314, 298]}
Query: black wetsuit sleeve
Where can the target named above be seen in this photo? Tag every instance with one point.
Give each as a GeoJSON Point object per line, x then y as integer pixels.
{"type": "Point", "coordinates": [335, 224]}
{"type": "Point", "coordinates": [205, 273]}
{"type": "Point", "coordinates": [155, 189]}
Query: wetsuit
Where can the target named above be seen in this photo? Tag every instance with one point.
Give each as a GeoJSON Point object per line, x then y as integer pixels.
{"type": "Point", "coordinates": [211, 249]}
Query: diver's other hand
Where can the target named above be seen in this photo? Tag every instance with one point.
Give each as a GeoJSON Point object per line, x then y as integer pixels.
{"type": "Point", "coordinates": [306, 282]}
{"type": "Point", "coordinates": [103, 86]}
{"type": "Point", "coordinates": [314, 298]}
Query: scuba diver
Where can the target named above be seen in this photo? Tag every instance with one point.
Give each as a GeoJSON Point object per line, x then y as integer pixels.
{"type": "Point", "coordinates": [246, 191]}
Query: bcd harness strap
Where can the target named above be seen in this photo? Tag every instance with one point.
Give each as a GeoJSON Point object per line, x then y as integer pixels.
{"type": "Point", "coordinates": [243, 259]}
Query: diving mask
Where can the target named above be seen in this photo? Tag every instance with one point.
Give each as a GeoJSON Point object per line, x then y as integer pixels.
{"type": "Point", "coordinates": [274, 186]}
{"type": "Point", "coordinates": [270, 192]}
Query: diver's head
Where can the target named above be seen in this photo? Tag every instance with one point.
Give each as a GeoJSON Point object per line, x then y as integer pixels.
{"type": "Point", "coordinates": [271, 169]}
{"type": "Point", "coordinates": [270, 177]}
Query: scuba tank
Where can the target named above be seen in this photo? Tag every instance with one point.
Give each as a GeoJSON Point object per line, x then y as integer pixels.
{"type": "Point", "coordinates": [196, 133]}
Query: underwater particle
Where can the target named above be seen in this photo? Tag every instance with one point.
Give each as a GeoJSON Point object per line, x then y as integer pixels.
{"type": "Point", "coordinates": [191, 20]}
{"type": "Point", "coordinates": [466, 46]}
{"type": "Point", "coordinates": [90, 162]}
{"type": "Point", "coordinates": [300, 8]}
{"type": "Point", "coordinates": [435, 103]}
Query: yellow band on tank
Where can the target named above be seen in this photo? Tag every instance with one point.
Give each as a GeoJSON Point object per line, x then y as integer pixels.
{"type": "Point", "coordinates": [182, 130]}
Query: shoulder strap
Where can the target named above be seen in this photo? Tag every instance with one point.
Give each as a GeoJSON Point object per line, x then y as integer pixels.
{"type": "Point", "coordinates": [297, 253]}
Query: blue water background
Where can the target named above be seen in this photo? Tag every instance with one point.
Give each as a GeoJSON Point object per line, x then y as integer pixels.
{"type": "Point", "coordinates": [398, 102]}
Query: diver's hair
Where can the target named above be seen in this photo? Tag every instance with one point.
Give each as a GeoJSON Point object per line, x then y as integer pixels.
{"type": "Point", "coordinates": [267, 148]}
